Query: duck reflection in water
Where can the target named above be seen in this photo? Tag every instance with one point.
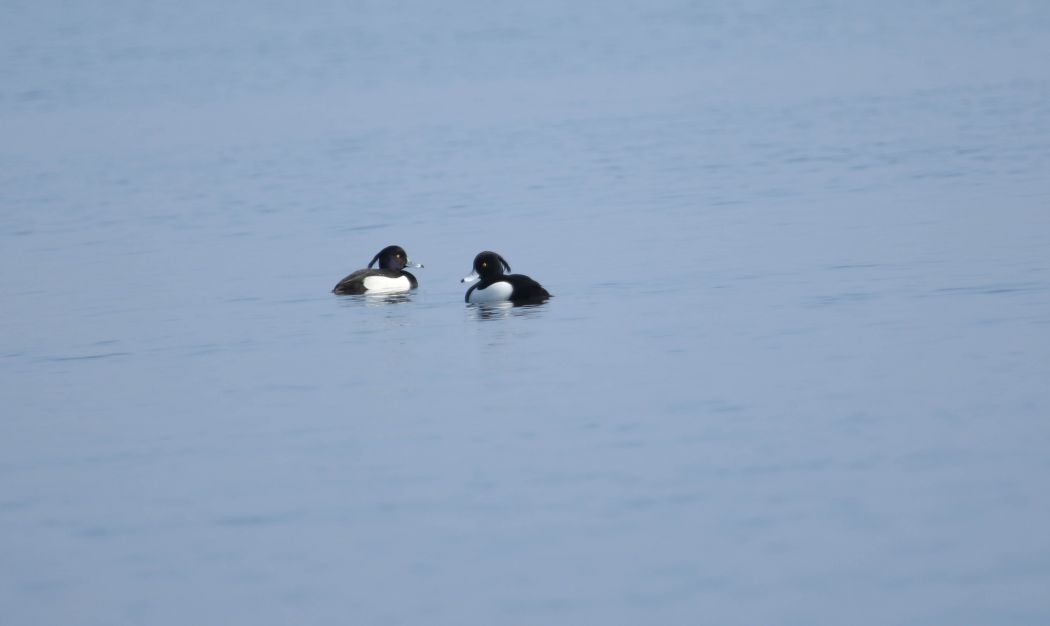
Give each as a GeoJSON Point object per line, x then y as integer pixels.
{"type": "Point", "coordinates": [375, 299]}
{"type": "Point", "coordinates": [503, 310]}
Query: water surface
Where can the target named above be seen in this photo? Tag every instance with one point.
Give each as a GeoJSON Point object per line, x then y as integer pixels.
{"type": "Point", "coordinates": [794, 371]}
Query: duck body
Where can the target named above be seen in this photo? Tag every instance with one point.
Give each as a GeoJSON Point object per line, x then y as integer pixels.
{"type": "Point", "coordinates": [376, 281]}
{"type": "Point", "coordinates": [497, 286]}
{"type": "Point", "coordinates": [390, 277]}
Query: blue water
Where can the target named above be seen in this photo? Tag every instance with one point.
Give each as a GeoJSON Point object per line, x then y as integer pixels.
{"type": "Point", "coordinates": [794, 372]}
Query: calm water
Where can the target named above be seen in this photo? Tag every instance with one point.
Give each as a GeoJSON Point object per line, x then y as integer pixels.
{"type": "Point", "coordinates": [795, 370]}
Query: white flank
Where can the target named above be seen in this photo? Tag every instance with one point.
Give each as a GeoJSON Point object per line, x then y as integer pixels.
{"type": "Point", "coordinates": [382, 284]}
{"type": "Point", "coordinates": [496, 292]}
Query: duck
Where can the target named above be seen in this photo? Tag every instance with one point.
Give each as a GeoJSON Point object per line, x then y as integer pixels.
{"type": "Point", "coordinates": [391, 276]}
{"type": "Point", "coordinates": [499, 286]}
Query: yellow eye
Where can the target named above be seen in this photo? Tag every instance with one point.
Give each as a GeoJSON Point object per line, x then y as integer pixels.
{"type": "Point", "coordinates": [398, 255]}
{"type": "Point", "coordinates": [484, 265]}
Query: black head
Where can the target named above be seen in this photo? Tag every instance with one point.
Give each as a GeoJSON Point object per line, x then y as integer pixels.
{"type": "Point", "coordinates": [392, 258]}
{"type": "Point", "coordinates": [490, 265]}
